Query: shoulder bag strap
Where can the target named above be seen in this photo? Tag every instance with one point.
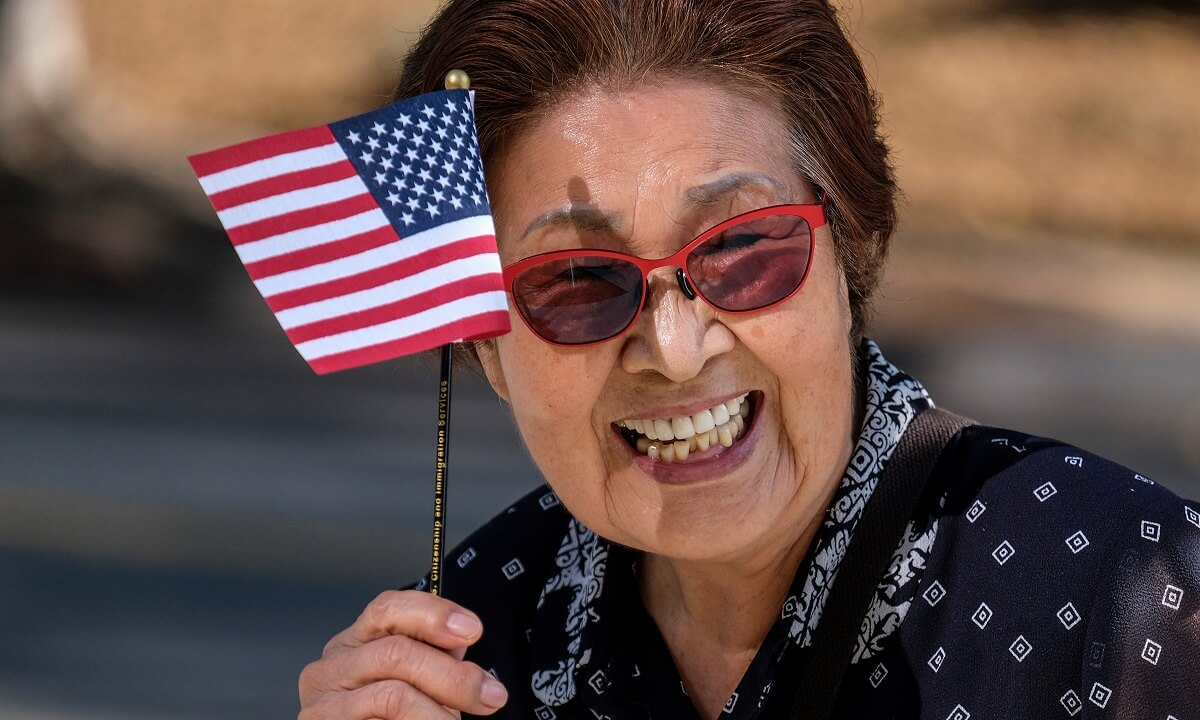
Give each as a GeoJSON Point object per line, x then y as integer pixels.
{"type": "Point", "coordinates": [876, 537]}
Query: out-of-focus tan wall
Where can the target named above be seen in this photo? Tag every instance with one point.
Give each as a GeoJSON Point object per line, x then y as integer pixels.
{"type": "Point", "coordinates": [1080, 123]}
{"type": "Point", "coordinates": [1012, 127]}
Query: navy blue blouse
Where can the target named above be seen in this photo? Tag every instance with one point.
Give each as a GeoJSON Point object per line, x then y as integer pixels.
{"type": "Point", "coordinates": [1036, 581]}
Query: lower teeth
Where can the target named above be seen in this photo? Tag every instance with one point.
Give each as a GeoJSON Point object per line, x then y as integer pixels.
{"type": "Point", "coordinates": [671, 451]}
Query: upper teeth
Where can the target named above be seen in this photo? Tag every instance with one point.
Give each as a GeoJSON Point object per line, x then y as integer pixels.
{"type": "Point", "coordinates": [682, 427]}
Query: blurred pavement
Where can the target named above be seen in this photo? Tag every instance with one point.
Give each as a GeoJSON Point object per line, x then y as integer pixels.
{"type": "Point", "coordinates": [187, 513]}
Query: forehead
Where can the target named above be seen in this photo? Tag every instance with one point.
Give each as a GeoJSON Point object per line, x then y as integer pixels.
{"type": "Point", "coordinates": [660, 153]}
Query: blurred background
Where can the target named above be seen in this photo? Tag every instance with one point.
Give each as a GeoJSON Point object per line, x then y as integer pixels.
{"type": "Point", "coordinates": [187, 513]}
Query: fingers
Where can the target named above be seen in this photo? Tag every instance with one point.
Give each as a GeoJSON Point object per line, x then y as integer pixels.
{"type": "Point", "coordinates": [429, 618]}
{"type": "Point", "coordinates": [446, 680]}
{"type": "Point", "coordinates": [389, 700]}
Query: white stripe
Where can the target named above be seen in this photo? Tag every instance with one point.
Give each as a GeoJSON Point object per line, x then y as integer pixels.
{"type": "Point", "coordinates": [304, 238]}
{"type": "Point", "coordinates": [272, 166]}
{"type": "Point", "coordinates": [287, 202]}
{"type": "Point", "coordinates": [395, 291]}
{"type": "Point", "coordinates": [406, 248]}
{"type": "Point", "coordinates": [403, 327]}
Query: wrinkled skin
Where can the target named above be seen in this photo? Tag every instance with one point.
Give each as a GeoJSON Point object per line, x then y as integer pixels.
{"type": "Point", "coordinates": [651, 168]}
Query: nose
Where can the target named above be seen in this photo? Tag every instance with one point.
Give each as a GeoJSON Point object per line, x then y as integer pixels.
{"type": "Point", "coordinates": [675, 336]}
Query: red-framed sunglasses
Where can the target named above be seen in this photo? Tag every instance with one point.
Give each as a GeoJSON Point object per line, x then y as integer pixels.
{"type": "Point", "coordinates": [747, 263]}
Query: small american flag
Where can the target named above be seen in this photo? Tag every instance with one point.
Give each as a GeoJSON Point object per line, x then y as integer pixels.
{"type": "Point", "coordinates": [371, 237]}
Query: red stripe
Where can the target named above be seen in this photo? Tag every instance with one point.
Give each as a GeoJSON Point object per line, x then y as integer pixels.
{"type": "Point", "coordinates": [322, 253]}
{"type": "Point", "coordinates": [375, 277]}
{"type": "Point", "coordinates": [399, 309]}
{"type": "Point", "coordinates": [301, 219]}
{"type": "Point", "coordinates": [280, 184]}
{"type": "Point", "coordinates": [481, 326]}
{"type": "Point", "coordinates": [215, 161]}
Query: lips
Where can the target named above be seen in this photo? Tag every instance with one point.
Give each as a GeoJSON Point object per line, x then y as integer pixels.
{"type": "Point", "coordinates": [674, 439]}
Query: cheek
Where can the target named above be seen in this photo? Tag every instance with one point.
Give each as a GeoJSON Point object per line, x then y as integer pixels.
{"type": "Point", "coordinates": [553, 394]}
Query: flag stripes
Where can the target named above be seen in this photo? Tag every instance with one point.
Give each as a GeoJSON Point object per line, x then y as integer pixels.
{"type": "Point", "coordinates": [275, 264]}
{"type": "Point", "coordinates": [410, 305]}
{"type": "Point", "coordinates": [277, 184]}
{"type": "Point", "coordinates": [371, 295]}
{"type": "Point", "coordinates": [412, 254]}
{"type": "Point", "coordinates": [332, 257]}
{"type": "Point", "coordinates": [292, 201]}
{"type": "Point", "coordinates": [277, 228]}
{"type": "Point", "coordinates": [473, 327]}
{"type": "Point", "coordinates": [395, 330]}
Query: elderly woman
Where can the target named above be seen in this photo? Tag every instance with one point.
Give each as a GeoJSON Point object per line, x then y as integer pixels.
{"type": "Point", "coordinates": [693, 204]}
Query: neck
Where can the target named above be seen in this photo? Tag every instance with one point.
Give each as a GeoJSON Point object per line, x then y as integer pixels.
{"type": "Point", "coordinates": [714, 615]}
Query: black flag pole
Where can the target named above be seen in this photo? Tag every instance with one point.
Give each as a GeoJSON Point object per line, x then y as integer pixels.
{"type": "Point", "coordinates": [442, 470]}
{"type": "Point", "coordinates": [455, 80]}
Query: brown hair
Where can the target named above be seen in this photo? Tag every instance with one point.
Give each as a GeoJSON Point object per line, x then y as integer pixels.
{"type": "Point", "coordinates": [525, 56]}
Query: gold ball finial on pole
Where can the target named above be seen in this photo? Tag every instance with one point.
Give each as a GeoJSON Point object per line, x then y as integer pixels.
{"type": "Point", "coordinates": [457, 80]}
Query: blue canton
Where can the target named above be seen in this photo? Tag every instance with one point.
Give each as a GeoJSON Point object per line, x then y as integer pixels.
{"type": "Point", "coordinates": [420, 159]}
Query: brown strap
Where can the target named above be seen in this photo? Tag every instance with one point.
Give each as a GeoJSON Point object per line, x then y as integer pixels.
{"type": "Point", "coordinates": [875, 539]}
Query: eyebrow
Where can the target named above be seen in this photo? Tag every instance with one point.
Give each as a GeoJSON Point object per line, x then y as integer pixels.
{"type": "Point", "coordinates": [719, 189]}
{"type": "Point", "coordinates": [582, 216]}
{"type": "Point", "coordinates": [591, 218]}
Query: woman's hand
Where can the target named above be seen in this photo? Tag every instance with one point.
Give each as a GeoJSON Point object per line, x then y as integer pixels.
{"type": "Point", "coordinates": [402, 658]}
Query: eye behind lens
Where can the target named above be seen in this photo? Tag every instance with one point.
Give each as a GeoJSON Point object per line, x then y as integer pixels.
{"type": "Point", "coordinates": [579, 299]}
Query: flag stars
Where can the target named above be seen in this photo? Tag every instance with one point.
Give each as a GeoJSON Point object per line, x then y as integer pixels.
{"type": "Point", "coordinates": [424, 162]}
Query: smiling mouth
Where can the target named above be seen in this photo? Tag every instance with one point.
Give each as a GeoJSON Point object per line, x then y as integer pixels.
{"type": "Point", "coordinates": [674, 439]}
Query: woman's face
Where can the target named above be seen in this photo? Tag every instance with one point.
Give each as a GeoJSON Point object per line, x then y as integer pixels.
{"type": "Point", "coordinates": [643, 172]}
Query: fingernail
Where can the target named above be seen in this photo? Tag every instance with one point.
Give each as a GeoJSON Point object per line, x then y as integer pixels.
{"type": "Point", "coordinates": [492, 693]}
{"type": "Point", "coordinates": [463, 625]}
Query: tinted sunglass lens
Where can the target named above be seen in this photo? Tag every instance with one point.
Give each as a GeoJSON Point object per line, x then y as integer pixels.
{"type": "Point", "coordinates": [754, 264]}
{"type": "Point", "coordinates": [579, 300]}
